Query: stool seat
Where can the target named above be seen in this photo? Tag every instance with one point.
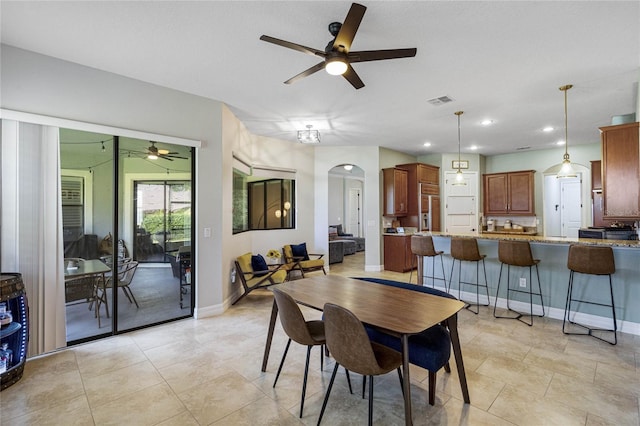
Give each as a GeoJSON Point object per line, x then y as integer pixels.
{"type": "Point", "coordinates": [518, 254]}
{"type": "Point", "coordinates": [421, 247]}
{"type": "Point", "coordinates": [590, 260]}
{"type": "Point", "coordinates": [466, 250]}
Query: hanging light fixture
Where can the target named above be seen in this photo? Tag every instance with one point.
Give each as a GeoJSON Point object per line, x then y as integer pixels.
{"type": "Point", "coordinates": [566, 170]}
{"type": "Point", "coordinates": [459, 181]}
{"type": "Point", "coordinates": [309, 136]}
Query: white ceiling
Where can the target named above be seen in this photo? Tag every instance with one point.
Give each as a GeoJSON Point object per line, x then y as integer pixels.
{"type": "Point", "coordinates": [498, 60]}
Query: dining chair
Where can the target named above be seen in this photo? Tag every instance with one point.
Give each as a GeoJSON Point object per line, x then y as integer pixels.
{"type": "Point", "coordinates": [124, 276]}
{"type": "Point", "coordinates": [349, 344]}
{"type": "Point", "coordinates": [308, 333]}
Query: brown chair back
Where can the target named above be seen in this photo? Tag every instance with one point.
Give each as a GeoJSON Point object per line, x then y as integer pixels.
{"type": "Point", "coordinates": [291, 318]}
{"type": "Point", "coordinates": [349, 343]}
{"type": "Point", "coordinates": [515, 253]}
{"type": "Point", "coordinates": [591, 260]}
{"type": "Point", "coordinates": [465, 249]}
{"type": "Point", "coordinates": [422, 245]}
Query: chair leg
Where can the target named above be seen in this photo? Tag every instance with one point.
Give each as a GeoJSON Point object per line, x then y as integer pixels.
{"type": "Point", "coordinates": [364, 385]}
{"type": "Point", "coordinates": [284, 355]}
{"type": "Point", "coordinates": [432, 388]}
{"type": "Point", "coordinates": [304, 382]}
{"type": "Point", "coordinates": [370, 400]}
{"type": "Point", "coordinates": [447, 367]}
{"type": "Point", "coordinates": [401, 381]}
{"type": "Point", "coordinates": [349, 381]}
{"type": "Point", "coordinates": [444, 277]}
{"type": "Point", "coordinates": [326, 397]}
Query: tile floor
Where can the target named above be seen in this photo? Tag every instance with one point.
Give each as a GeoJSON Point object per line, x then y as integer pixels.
{"type": "Point", "coordinates": [207, 372]}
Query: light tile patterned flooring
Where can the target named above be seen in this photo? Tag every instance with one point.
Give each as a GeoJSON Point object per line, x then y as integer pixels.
{"type": "Point", "coordinates": [202, 372]}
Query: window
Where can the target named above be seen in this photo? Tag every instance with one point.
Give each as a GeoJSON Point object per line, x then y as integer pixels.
{"type": "Point", "coordinates": [271, 204]}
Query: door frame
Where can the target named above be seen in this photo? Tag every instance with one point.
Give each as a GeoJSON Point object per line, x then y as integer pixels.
{"type": "Point", "coordinates": [584, 173]}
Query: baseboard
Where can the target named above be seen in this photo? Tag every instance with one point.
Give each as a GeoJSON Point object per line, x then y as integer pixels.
{"type": "Point", "coordinates": [373, 268]}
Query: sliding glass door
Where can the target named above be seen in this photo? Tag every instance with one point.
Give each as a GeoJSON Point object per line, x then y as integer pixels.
{"type": "Point", "coordinates": [128, 205]}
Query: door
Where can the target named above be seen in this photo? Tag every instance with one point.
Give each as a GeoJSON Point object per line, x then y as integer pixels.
{"type": "Point", "coordinates": [461, 205]}
{"type": "Point", "coordinates": [552, 207]}
{"type": "Point", "coordinates": [571, 203]}
{"type": "Point", "coordinates": [355, 212]}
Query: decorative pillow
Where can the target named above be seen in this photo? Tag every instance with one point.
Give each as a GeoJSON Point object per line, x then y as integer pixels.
{"type": "Point", "coordinates": [258, 264]}
{"type": "Point", "coordinates": [339, 229]}
{"type": "Point", "coordinates": [300, 250]}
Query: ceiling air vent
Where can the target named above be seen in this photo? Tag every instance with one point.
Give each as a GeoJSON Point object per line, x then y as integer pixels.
{"type": "Point", "coordinates": [440, 100]}
{"type": "Point", "coordinates": [522, 148]}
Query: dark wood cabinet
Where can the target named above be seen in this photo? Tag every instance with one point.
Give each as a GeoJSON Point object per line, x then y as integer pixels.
{"type": "Point", "coordinates": [422, 180]}
{"type": "Point", "coordinates": [621, 171]}
{"type": "Point", "coordinates": [395, 192]}
{"type": "Point", "coordinates": [397, 253]}
{"type": "Point", "coordinates": [507, 194]}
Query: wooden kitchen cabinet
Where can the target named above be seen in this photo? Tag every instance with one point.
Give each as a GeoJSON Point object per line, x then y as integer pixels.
{"type": "Point", "coordinates": [395, 192]}
{"type": "Point", "coordinates": [509, 194]}
{"type": "Point", "coordinates": [397, 253]}
{"type": "Point", "coordinates": [419, 173]}
{"type": "Point", "coordinates": [621, 171]}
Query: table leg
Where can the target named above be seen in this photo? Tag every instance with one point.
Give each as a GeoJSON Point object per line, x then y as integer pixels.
{"type": "Point", "coordinates": [452, 324]}
{"type": "Point", "coordinates": [272, 326]}
{"type": "Point", "coordinates": [408, 420]}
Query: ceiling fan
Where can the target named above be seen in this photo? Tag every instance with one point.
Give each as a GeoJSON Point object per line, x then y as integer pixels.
{"type": "Point", "coordinates": [337, 55]}
{"type": "Point", "coordinates": [153, 153]}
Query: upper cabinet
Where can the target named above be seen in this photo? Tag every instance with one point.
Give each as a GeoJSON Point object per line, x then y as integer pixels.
{"type": "Point", "coordinates": [422, 181]}
{"type": "Point", "coordinates": [395, 191]}
{"type": "Point", "coordinates": [621, 171]}
{"type": "Point", "coordinates": [509, 194]}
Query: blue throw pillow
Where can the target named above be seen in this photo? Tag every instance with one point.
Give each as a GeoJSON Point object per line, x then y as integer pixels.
{"type": "Point", "coordinates": [300, 250]}
{"type": "Point", "coordinates": [258, 264]}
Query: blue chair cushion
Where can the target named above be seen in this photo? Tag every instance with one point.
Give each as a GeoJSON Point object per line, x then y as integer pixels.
{"type": "Point", "coordinates": [258, 264]}
{"type": "Point", "coordinates": [430, 349]}
{"type": "Point", "coordinates": [300, 250]}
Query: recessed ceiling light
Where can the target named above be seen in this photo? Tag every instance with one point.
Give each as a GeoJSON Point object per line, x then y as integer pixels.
{"type": "Point", "coordinates": [427, 144]}
{"type": "Point", "coordinates": [548, 129]}
{"type": "Point", "coordinates": [473, 147]}
{"type": "Point", "coordinates": [486, 122]}
{"type": "Point", "coordinates": [560, 143]}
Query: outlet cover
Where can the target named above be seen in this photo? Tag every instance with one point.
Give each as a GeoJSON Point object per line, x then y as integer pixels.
{"type": "Point", "coordinates": [523, 282]}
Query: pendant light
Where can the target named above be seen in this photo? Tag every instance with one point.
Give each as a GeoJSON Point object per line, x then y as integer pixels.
{"type": "Point", "coordinates": [566, 171]}
{"type": "Point", "coordinates": [459, 181]}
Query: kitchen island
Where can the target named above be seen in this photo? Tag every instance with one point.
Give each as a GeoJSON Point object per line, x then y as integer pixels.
{"type": "Point", "coordinates": [554, 276]}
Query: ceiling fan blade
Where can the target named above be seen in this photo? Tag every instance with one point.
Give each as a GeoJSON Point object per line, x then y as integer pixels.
{"type": "Point", "coordinates": [378, 55]}
{"type": "Point", "coordinates": [306, 73]}
{"type": "Point", "coordinates": [164, 157]}
{"type": "Point", "coordinates": [353, 78]}
{"type": "Point", "coordinates": [177, 156]}
{"type": "Point", "coordinates": [349, 27]}
{"type": "Point", "coordinates": [294, 46]}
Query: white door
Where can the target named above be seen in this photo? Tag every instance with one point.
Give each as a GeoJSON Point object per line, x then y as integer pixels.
{"type": "Point", "coordinates": [355, 212]}
{"type": "Point", "coordinates": [552, 204]}
{"type": "Point", "coordinates": [461, 203]}
{"type": "Point", "coordinates": [571, 207]}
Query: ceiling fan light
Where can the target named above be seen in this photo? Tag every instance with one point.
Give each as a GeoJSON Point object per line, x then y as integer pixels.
{"type": "Point", "coordinates": [336, 66]}
{"type": "Point", "coordinates": [152, 157]}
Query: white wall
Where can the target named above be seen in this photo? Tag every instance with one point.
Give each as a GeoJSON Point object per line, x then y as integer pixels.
{"type": "Point", "coordinates": [48, 86]}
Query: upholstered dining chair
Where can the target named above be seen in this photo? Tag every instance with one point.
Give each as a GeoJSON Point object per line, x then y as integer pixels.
{"type": "Point", "coordinates": [308, 333]}
{"type": "Point", "coordinates": [349, 344]}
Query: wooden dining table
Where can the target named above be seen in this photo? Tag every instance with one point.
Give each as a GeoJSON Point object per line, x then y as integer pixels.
{"type": "Point", "coordinates": [396, 311]}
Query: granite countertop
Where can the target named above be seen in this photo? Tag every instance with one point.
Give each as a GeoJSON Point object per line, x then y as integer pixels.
{"type": "Point", "coordinates": [539, 239]}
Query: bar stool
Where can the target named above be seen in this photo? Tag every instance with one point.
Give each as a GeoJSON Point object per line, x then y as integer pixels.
{"type": "Point", "coordinates": [593, 261]}
{"type": "Point", "coordinates": [518, 253]}
{"type": "Point", "coordinates": [466, 250]}
{"type": "Point", "coordinates": [421, 247]}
